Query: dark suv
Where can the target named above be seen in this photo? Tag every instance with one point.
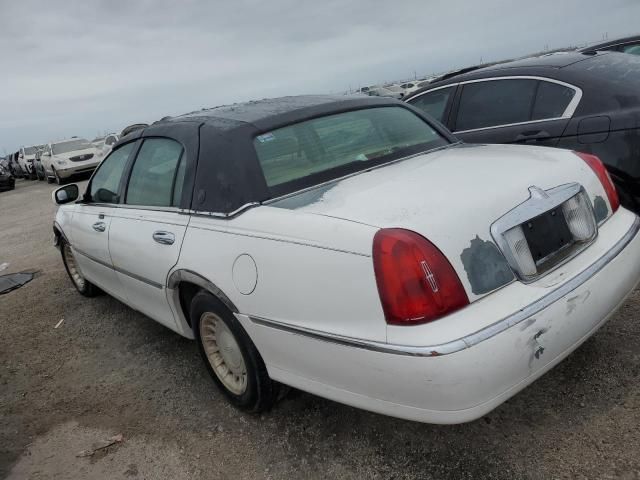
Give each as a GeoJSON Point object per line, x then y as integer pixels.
{"type": "Point", "coordinates": [580, 101]}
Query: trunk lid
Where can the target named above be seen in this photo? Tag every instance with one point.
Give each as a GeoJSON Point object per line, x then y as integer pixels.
{"type": "Point", "coordinates": [452, 197]}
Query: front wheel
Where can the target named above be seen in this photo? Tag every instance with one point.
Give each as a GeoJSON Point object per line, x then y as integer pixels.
{"type": "Point", "coordinates": [83, 286]}
{"type": "Point", "coordinates": [230, 356]}
{"type": "Point", "coordinates": [59, 181]}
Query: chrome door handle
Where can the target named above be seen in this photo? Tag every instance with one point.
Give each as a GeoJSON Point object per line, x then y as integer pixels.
{"type": "Point", "coordinates": [164, 238]}
{"type": "Point", "coordinates": [99, 226]}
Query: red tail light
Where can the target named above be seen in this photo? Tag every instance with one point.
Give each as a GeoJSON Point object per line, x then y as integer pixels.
{"type": "Point", "coordinates": [416, 283]}
{"type": "Point", "coordinates": [601, 172]}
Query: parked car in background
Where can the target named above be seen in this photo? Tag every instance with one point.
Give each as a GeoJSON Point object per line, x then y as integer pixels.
{"type": "Point", "coordinates": [37, 164]}
{"type": "Point", "coordinates": [384, 92]}
{"type": "Point", "coordinates": [63, 159]}
{"type": "Point", "coordinates": [26, 159]}
{"type": "Point", "coordinates": [98, 141]}
{"type": "Point", "coordinates": [132, 128]}
{"type": "Point", "coordinates": [409, 87]}
{"type": "Point", "coordinates": [7, 181]}
{"type": "Point", "coordinates": [336, 267]}
{"type": "Point", "coordinates": [624, 45]}
{"type": "Point", "coordinates": [14, 165]}
{"type": "Point", "coordinates": [105, 144]}
{"type": "Point", "coordinates": [576, 101]}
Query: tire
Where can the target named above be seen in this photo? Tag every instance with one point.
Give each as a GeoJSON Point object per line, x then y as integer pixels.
{"type": "Point", "coordinates": [227, 344]}
{"type": "Point", "coordinates": [48, 178]}
{"type": "Point", "coordinates": [59, 181]}
{"type": "Point", "coordinates": [84, 286]}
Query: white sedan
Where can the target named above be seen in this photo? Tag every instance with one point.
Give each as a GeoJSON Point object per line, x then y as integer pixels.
{"type": "Point", "coordinates": [66, 158]}
{"type": "Point", "coordinates": [348, 247]}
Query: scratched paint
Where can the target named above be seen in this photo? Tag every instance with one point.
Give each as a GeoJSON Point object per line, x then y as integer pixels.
{"type": "Point", "coordinates": [486, 267]}
{"type": "Point", "coordinates": [304, 199]}
{"type": "Point", "coordinates": [600, 209]}
{"type": "Point", "coordinates": [573, 302]}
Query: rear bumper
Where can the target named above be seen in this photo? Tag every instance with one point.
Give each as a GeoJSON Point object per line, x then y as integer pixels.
{"type": "Point", "coordinates": [465, 378]}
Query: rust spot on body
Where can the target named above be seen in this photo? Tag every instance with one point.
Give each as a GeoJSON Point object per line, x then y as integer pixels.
{"type": "Point", "coordinates": [486, 267]}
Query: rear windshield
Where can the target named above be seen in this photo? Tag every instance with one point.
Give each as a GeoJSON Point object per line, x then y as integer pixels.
{"type": "Point", "coordinates": [66, 147]}
{"type": "Point", "coordinates": [321, 149]}
{"type": "Point", "coordinates": [30, 150]}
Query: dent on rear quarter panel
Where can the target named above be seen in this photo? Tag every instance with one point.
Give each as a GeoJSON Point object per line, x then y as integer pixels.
{"type": "Point", "coordinates": [486, 267]}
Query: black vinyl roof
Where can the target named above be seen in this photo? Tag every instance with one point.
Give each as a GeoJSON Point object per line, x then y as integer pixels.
{"type": "Point", "coordinates": [269, 112]}
{"type": "Point", "coordinates": [223, 172]}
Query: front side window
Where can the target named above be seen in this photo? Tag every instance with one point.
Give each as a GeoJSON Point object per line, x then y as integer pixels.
{"type": "Point", "coordinates": [154, 173]}
{"type": "Point", "coordinates": [106, 180]}
{"type": "Point", "coordinates": [552, 100]}
{"type": "Point", "coordinates": [328, 147]}
{"type": "Point", "coordinates": [495, 102]}
{"type": "Point", "coordinates": [434, 103]}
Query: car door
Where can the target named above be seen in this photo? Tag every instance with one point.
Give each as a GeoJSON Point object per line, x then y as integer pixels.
{"type": "Point", "coordinates": [146, 233]}
{"type": "Point", "coordinates": [524, 110]}
{"type": "Point", "coordinates": [92, 221]}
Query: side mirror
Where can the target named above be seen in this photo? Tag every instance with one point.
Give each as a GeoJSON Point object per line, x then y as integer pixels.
{"type": "Point", "coordinates": [65, 194]}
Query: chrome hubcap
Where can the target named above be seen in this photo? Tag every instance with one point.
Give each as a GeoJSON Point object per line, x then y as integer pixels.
{"type": "Point", "coordinates": [223, 353]}
{"type": "Point", "coordinates": [76, 276]}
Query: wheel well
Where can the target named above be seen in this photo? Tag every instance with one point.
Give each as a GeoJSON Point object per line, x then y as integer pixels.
{"type": "Point", "coordinates": [58, 236]}
{"type": "Point", "coordinates": [186, 292]}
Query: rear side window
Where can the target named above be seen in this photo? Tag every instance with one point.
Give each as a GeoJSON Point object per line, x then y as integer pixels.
{"type": "Point", "coordinates": [434, 103]}
{"type": "Point", "coordinates": [552, 100]}
{"type": "Point", "coordinates": [327, 147]}
{"type": "Point", "coordinates": [106, 180]}
{"type": "Point", "coordinates": [495, 102]}
{"type": "Point", "coordinates": [152, 181]}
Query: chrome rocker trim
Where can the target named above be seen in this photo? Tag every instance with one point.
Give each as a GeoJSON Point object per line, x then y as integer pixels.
{"type": "Point", "coordinates": [471, 339]}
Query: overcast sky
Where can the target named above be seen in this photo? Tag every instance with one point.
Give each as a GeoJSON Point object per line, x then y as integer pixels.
{"type": "Point", "coordinates": [88, 67]}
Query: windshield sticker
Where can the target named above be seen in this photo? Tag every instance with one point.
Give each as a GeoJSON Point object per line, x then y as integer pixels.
{"type": "Point", "coordinates": [267, 137]}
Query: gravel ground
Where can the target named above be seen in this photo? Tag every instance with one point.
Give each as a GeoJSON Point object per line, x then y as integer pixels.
{"type": "Point", "coordinates": [108, 370]}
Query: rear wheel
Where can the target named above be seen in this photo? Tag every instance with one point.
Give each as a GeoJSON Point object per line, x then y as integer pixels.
{"type": "Point", "coordinates": [83, 286]}
{"type": "Point", "coordinates": [230, 356]}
